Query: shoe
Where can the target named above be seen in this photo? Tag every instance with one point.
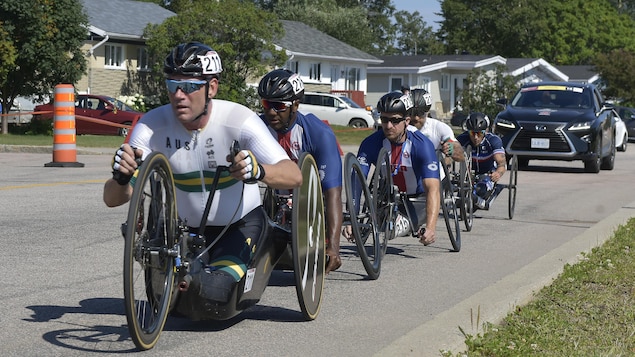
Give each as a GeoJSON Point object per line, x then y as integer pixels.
{"type": "Point", "coordinates": [480, 202]}
{"type": "Point", "coordinates": [402, 226]}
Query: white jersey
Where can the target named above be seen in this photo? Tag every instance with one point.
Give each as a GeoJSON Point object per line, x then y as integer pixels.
{"type": "Point", "coordinates": [437, 131]}
{"type": "Point", "coordinates": [195, 156]}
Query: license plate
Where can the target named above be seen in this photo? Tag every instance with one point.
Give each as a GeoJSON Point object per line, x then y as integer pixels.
{"type": "Point", "coordinates": [539, 143]}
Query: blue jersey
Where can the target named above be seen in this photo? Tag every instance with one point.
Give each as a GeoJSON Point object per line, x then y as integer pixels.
{"type": "Point", "coordinates": [483, 155]}
{"type": "Point", "coordinates": [309, 134]}
{"type": "Point", "coordinates": [411, 161]}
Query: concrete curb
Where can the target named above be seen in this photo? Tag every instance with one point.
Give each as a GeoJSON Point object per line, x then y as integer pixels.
{"type": "Point", "coordinates": [49, 150]}
{"type": "Point", "coordinates": [498, 300]}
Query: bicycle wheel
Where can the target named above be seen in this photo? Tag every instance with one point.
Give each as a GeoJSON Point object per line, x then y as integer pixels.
{"type": "Point", "coordinates": [148, 267]}
{"type": "Point", "coordinates": [465, 195]}
{"type": "Point", "coordinates": [513, 180]}
{"type": "Point", "coordinates": [382, 191]}
{"type": "Point", "coordinates": [308, 238]}
{"type": "Point", "coordinates": [448, 207]}
{"type": "Point", "coordinates": [363, 219]}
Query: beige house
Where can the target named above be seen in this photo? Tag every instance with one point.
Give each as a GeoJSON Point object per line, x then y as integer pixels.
{"type": "Point", "coordinates": [115, 47]}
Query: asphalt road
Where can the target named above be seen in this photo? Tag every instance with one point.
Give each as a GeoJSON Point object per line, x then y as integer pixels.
{"type": "Point", "coordinates": [62, 290]}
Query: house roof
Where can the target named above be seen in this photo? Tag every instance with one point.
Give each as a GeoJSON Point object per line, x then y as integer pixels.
{"type": "Point", "coordinates": [518, 66]}
{"type": "Point", "coordinates": [123, 19]}
{"type": "Point", "coordinates": [303, 40]}
{"type": "Point", "coordinates": [580, 73]}
{"type": "Point", "coordinates": [429, 63]}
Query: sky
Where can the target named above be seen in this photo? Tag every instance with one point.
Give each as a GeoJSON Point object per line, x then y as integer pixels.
{"type": "Point", "coordinates": [426, 8]}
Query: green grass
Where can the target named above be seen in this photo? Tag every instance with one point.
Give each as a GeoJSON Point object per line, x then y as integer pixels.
{"type": "Point", "coordinates": [46, 140]}
{"type": "Point", "coordinates": [345, 136]}
{"type": "Point", "coordinates": [589, 310]}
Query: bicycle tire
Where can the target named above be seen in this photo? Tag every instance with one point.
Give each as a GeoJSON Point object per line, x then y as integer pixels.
{"type": "Point", "coordinates": [448, 207]}
{"type": "Point", "coordinates": [465, 196]}
{"type": "Point", "coordinates": [308, 235]}
{"type": "Point", "coordinates": [383, 193]}
{"type": "Point", "coordinates": [149, 269]}
{"type": "Point", "coordinates": [361, 208]}
{"type": "Point", "coordinates": [513, 180]}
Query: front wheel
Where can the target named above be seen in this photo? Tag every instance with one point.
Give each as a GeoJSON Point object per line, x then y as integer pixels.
{"type": "Point", "coordinates": [363, 222]}
{"type": "Point", "coordinates": [148, 266]}
{"type": "Point", "coordinates": [513, 180]}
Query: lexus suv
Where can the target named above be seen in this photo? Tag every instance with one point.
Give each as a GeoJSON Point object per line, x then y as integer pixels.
{"type": "Point", "coordinates": [558, 121]}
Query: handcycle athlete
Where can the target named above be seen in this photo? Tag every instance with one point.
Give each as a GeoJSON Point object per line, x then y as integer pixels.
{"type": "Point", "coordinates": [488, 159]}
{"type": "Point", "coordinates": [413, 161]}
{"type": "Point", "coordinates": [281, 91]}
{"type": "Point", "coordinates": [185, 144]}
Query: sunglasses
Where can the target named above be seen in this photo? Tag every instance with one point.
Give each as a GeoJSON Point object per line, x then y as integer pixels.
{"type": "Point", "coordinates": [187, 86]}
{"type": "Point", "coordinates": [394, 120]}
{"type": "Point", "coordinates": [276, 106]}
{"type": "Point", "coordinates": [477, 132]}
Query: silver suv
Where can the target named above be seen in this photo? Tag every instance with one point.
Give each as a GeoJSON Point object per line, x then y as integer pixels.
{"type": "Point", "coordinates": [337, 110]}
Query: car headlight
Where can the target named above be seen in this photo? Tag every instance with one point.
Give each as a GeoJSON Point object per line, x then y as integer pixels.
{"type": "Point", "coordinates": [504, 123]}
{"type": "Point", "coordinates": [581, 126]}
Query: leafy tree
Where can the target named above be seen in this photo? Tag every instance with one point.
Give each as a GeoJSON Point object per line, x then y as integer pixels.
{"type": "Point", "coordinates": [236, 29]}
{"type": "Point", "coordinates": [615, 68]}
{"type": "Point", "coordinates": [560, 31]}
{"type": "Point", "coordinates": [482, 90]}
{"type": "Point", "coordinates": [43, 41]}
{"type": "Point", "coordinates": [414, 36]}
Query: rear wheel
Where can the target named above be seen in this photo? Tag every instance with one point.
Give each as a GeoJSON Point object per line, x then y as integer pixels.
{"type": "Point", "coordinates": [466, 200]}
{"type": "Point", "coordinates": [124, 131]}
{"type": "Point", "coordinates": [361, 209]}
{"type": "Point", "coordinates": [148, 269]}
{"type": "Point", "coordinates": [513, 180]}
{"type": "Point", "coordinates": [308, 238]}
{"type": "Point", "coordinates": [358, 123]}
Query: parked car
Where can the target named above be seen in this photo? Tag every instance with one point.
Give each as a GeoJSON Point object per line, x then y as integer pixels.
{"type": "Point", "coordinates": [621, 134]}
{"type": "Point", "coordinates": [98, 107]}
{"type": "Point", "coordinates": [338, 110]}
{"type": "Point", "coordinates": [627, 115]}
{"type": "Point", "coordinates": [559, 121]}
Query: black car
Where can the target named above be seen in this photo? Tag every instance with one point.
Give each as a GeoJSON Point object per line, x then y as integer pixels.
{"type": "Point", "coordinates": [628, 117]}
{"type": "Point", "coordinates": [559, 121]}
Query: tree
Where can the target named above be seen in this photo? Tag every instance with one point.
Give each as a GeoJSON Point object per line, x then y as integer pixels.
{"type": "Point", "coordinates": [43, 41]}
{"type": "Point", "coordinates": [414, 36]}
{"type": "Point", "coordinates": [483, 89]}
{"type": "Point", "coordinates": [236, 29]}
{"type": "Point", "coordinates": [615, 69]}
{"type": "Point", "coordinates": [560, 31]}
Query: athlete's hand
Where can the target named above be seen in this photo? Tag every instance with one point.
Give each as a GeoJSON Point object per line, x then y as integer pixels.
{"type": "Point", "coordinates": [426, 236]}
{"type": "Point", "coordinates": [246, 167]}
{"type": "Point", "coordinates": [124, 163]}
{"type": "Point", "coordinates": [347, 232]}
{"type": "Point", "coordinates": [334, 261]}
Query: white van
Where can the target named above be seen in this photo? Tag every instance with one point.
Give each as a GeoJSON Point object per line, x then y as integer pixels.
{"type": "Point", "coordinates": [337, 110]}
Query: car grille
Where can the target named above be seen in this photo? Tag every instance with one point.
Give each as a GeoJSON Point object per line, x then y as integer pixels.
{"type": "Point", "coordinates": [553, 132]}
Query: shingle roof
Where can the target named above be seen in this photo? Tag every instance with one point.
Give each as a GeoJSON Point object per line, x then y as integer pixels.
{"type": "Point", "coordinates": [302, 39]}
{"type": "Point", "coordinates": [580, 73]}
{"type": "Point", "coordinates": [427, 60]}
{"type": "Point", "coordinates": [124, 18]}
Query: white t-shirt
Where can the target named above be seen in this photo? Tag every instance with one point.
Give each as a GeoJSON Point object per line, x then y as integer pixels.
{"type": "Point", "coordinates": [195, 155]}
{"type": "Point", "coordinates": [437, 131]}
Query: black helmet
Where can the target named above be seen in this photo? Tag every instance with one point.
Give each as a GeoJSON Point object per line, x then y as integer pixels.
{"type": "Point", "coordinates": [477, 122]}
{"type": "Point", "coordinates": [281, 85]}
{"type": "Point", "coordinates": [395, 102]}
{"type": "Point", "coordinates": [192, 59]}
{"type": "Point", "coordinates": [421, 101]}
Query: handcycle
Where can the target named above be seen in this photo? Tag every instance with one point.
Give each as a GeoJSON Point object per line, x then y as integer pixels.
{"type": "Point", "coordinates": [460, 174]}
{"type": "Point", "coordinates": [373, 204]}
{"type": "Point", "coordinates": [161, 255]}
{"type": "Point", "coordinates": [511, 186]}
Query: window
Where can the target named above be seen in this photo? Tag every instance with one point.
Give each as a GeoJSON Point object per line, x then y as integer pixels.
{"type": "Point", "coordinates": [114, 56]}
{"type": "Point", "coordinates": [142, 59]}
{"type": "Point", "coordinates": [395, 83]}
{"type": "Point", "coordinates": [315, 71]}
{"type": "Point", "coordinates": [352, 79]}
{"type": "Point", "coordinates": [445, 82]}
{"type": "Point", "coordinates": [292, 66]}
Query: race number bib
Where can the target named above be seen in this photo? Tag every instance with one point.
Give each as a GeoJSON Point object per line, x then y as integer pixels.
{"type": "Point", "coordinates": [211, 63]}
{"type": "Point", "coordinates": [296, 82]}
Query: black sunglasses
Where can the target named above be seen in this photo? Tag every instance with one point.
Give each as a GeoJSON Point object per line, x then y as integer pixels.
{"type": "Point", "coordinates": [393, 120]}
